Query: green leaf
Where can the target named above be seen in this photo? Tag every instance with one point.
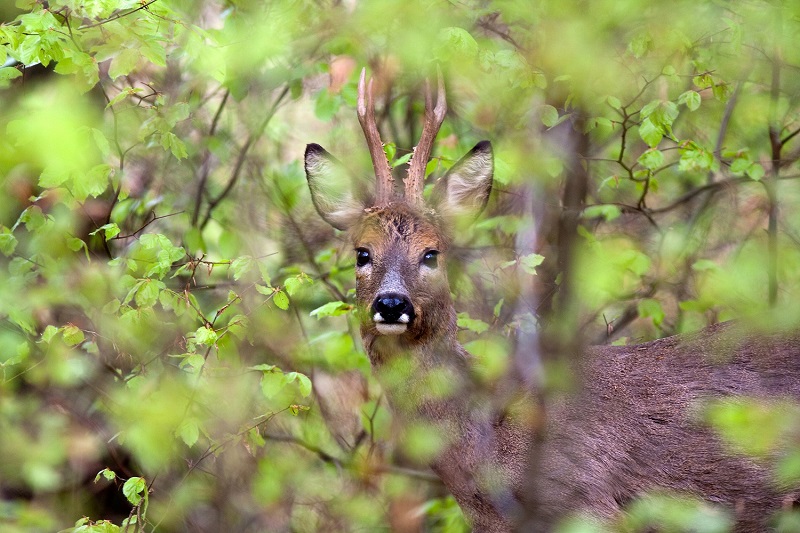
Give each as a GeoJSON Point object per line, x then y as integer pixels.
{"type": "Point", "coordinates": [240, 266]}
{"type": "Point", "coordinates": [189, 431]}
{"type": "Point", "coordinates": [272, 383]}
{"type": "Point", "coordinates": [472, 324]}
{"type": "Point", "coordinates": [691, 99]}
{"type": "Point", "coordinates": [303, 383]}
{"type": "Point", "coordinates": [8, 243]}
{"type": "Point", "coordinates": [109, 230]}
{"type": "Point", "coordinates": [702, 265]}
{"type": "Point", "coordinates": [740, 165]}
{"type": "Point", "coordinates": [171, 142]}
{"type": "Point", "coordinates": [695, 157]}
{"type": "Point", "coordinates": [498, 307]}
{"type": "Point", "coordinates": [206, 336]}
{"type": "Point", "coordinates": [651, 159]}
{"type": "Point", "coordinates": [614, 102]}
{"type": "Point", "coordinates": [403, 159]}
{"type": "Point", "coordinates": [105, 473]}
{"type": "Point", "coordinates": [650, 308]}
{"type": "Point", "coordinates": [281, 300]}
{"type": "Point", "coordinates": [7, 74]}
{"type": "Point", "coordinates": [755, 171]}
{"type": "Point", "coordinates": [293, 283]}
{"type": "Point", "coordinates": [549, 115]}
{"type": "Point", "coordinates": [147, 295]}
{"type": "Point", "coordinates": [331, 309]}
{"type": "Point", "coordinates": [326, 105]}
{"type": "Point", "coordinates": [390, 149]}
{"type": "Point", "coordinates": [92, 183]}
{"type": "Point", "coordinates": [48, 333]}
{"type": "Point", "coordinates": [650, 133]}
{"type": "Point", "coordinates": [75, 244]}
{"type": "Point", "coordinates": [640, 45]}
{"type": "Point", "coordinates": [72, 335]}
{"type": "Point", "coordinates": [529, 263]}
{"type": "Point", "coordinates": [134, 489]}
{"type": "Point", "coordinates": [124, 63]}
{"type": "Point", "coordinates": [266, 291]}
{"type": "Point", "coordinates": [607, 211]}
{"type": "Point", "coordinates": [455, 43]}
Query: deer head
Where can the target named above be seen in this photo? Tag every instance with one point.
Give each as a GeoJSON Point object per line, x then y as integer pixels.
{"type": "Point", "coordinates": [401, 241]}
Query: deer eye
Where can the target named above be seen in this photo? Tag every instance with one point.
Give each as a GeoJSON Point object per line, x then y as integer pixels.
{"type": "Point", "coordinates": [363, 257]}
{"type": "Point", "coordinates": [430, 259]}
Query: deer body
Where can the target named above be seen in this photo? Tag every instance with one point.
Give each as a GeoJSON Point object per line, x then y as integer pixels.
{"type": "Point", "coordinates": [632, 427]}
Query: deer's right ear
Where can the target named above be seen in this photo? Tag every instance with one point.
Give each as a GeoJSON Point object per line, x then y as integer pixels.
{"type": "Point", "coordinates": [464, 190]}
{"type": "Point", "coordinates": [330, 186]}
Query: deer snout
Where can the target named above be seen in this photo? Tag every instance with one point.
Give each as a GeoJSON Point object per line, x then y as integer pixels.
{"type": "Point", "coordinates": [392, 312]}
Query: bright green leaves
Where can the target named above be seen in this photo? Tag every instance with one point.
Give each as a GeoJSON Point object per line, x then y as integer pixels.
{"type": "Point", "coordinates": [657, 119]}
{"type": "Point", "coordinates": [135, 489]}
{"type": "Point", "coordinates": [273, 381]}
{"type": "Point", "coordinates": [391, 151]}
{"type": "Point", "coordinates": [52, 130]}
{"type": "Point", "coordinates": [158, 127]}
{"type": "Point", "coordinates": [189, 431]}
{"type": "Point", "coordinates": [691, 99]}
{"type": "Point", "coordinates": [158, 251]}
{"type": "Point", "coordinates": [696, 157]}
{"type": "Point", "coordinates": [124, 63]}
{"type": "Point", "coordinates": [609, 212]}
{"type": "Point", "coordinates": [280, 300]}
{"type": "Point", "coordinates": [743, 164]}
{"type": "Point", "coordinates": [641, 44]}
{"type": "Point", "coordinates": [205, 336]}
{"type": "Point", "coordinates": [472, 324]}
{"type": "Point", "coordinates": [39, 38]}
{"type": "Point", "coordinates": [331, 309]}
{"type": "Point", "coordinates": [327, 104]}
{"type": "Point", "coordinates": [753, 427]}
{"type": "Point", "coordinates": [651, 159]}
{"type": "Point", "coordinates": [110, 230]}
{"type": "Point", "coordinates": [292, 284]}
{"type": "Point", "coordinates": [106, 474]}
{"type": "Point", "coordinates": [279, 297]}
{"type": "Point", "coordinates": [549, 116]}
{"type": "Point", "coordinates": [455, 44]}
{"type": "Point", "coordinates": [8, 243]}
{"type": "Point", "coordinates": [674, 512]}
{"type": "Point", "coordinates": [7, 74]}
{"type": "Point", "coordinates": [650, 308]}
{"type": "Point", "coordinates": [527, 263]}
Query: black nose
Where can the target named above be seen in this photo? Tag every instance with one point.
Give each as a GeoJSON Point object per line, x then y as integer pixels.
{"type": "Point", "coordinates": [391, 307]}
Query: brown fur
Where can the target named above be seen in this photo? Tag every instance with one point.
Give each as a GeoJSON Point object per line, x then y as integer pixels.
{"type": "Point", "coordinates": [633, 425]}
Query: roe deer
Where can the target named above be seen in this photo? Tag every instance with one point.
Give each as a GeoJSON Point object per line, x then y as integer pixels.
{"type": "Point", "coordinates": [632, 426]}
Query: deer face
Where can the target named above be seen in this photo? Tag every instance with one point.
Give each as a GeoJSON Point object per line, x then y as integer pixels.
{"type": "Point", "coordinates": [400, 243]}
{"type": "Point", "coordinates": [401, 280]}
{"type": "Point", "coordinates": [401, 248]}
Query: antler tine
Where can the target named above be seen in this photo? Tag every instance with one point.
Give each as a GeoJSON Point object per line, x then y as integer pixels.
{"type": "Point", "coordinates": [434, 116]}
{"type": "Point", "coordinates": [384, 184]}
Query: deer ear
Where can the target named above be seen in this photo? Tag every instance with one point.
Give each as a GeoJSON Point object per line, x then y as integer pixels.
{"type": "Point", "coordinates": [465, 189]}
{"type": "Point", "coordinates": [330, 186]}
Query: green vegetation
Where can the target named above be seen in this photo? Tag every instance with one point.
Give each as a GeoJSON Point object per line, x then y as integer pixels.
{"type": "Point", "coordinates": [167, 292]}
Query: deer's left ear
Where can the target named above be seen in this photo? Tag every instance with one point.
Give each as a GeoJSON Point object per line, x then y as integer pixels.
{"type": "Point", "coordinates": [464, 190]}
{"type": "Point", "coordinates": [330, 186]}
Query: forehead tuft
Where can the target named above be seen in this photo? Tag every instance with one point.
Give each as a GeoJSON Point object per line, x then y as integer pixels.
{"type": "Point", "coordinates": [400, 222]}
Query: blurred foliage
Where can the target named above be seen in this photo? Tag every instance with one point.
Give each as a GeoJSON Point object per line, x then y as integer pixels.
{"type": "Point", "coordinates": [168, 295]}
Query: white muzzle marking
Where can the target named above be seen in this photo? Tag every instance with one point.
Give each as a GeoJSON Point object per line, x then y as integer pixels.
{"type": "Point", "coordinates": [390, 329]}
{"type": "Point", "coordinates": [395, 328]}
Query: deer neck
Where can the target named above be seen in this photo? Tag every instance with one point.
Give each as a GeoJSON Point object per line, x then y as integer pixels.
{"type": "Point", "coordinates": [427, 380]}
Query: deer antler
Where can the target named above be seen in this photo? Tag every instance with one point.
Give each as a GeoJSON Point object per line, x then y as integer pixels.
{"type": "Point", "coordinates": [384, 184]}
{"type": "Point", "coordinates": [434, 116]}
